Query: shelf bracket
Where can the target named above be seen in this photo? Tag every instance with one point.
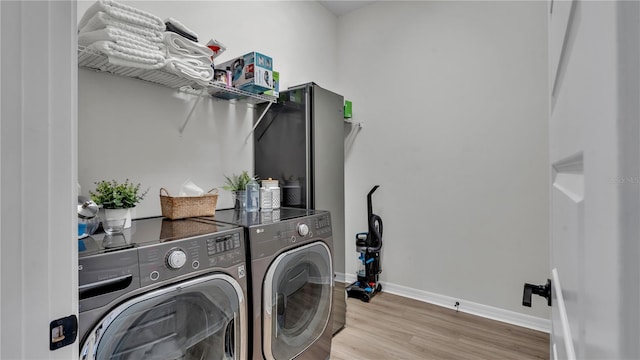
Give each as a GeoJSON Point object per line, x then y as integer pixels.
{"type": "Point", "coordinates": [359, 124]}
{"type": "Point", "coordinates": [193, 108]}
{"type": "Point", "coordinates": [246, 140]}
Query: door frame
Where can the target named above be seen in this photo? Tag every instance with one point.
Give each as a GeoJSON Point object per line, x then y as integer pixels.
{"type": "Point", "coordinates": [38, 175]}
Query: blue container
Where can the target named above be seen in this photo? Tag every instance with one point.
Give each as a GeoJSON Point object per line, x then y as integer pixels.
{"type": "Point", "coordinates": [82, 228]}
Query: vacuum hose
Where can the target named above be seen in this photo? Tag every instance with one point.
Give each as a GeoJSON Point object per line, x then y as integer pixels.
{"type": "Point", "coordinates": [374, 242]}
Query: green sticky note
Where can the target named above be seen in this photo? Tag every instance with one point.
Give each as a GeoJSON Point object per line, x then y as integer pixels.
{"type": "Point", "coordinates": [347, 109]}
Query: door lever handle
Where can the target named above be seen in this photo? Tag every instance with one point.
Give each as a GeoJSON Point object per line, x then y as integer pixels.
{"type": "Point", "coordinates": [542, 290]}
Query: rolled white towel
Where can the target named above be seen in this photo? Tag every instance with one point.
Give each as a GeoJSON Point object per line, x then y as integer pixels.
{"type": "Point", "coordinates": [120, 37]}
{"type": "Point", "coordinates": [128, 56]}
{"type": "Point", "coordinates": [177, 44]}
{"type": "Point", "coordinates": [101, 20]}
{"type": "Point", "coordinates": [124, 13]}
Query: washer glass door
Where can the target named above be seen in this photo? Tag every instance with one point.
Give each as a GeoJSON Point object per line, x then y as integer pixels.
{"type": "Point", "coordinates": [203, 318]}
{"type": "Point", "coordinates": [297, 300]}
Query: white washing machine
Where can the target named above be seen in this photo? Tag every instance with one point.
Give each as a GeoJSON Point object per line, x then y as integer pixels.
{"type": "Point", "coordinates": [291, 272]}
{"type": "Point", "coordinates": [164, 290]}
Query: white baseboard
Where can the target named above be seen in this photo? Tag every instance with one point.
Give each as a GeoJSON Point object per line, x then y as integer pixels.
{"type": "Point", "coordinates": [485, 311]}
{"type": "Point", "coordinates": [341, 277]}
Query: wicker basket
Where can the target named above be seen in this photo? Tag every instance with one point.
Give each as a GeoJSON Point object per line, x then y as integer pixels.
{"type": "Point", "coordinates": [181, 207]}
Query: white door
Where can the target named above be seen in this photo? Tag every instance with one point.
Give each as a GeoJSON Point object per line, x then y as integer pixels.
{"type": "Point", "coordinates": [38, 177]}
{"type": "Point", "coordinates": [594, 52]}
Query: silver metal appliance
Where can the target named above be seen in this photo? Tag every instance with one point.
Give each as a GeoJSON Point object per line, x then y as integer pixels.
{"type": "Point", "coordinates": [164, 290]}
{"type": "Point", "coordinates": [300, 142]}
{"type": "Point", "coordinates": [291, 272]}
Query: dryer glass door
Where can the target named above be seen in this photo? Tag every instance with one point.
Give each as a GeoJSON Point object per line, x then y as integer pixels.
{"type": "Point", "coordinates": [198, 319]}
{"type": "Point", "coordinates": [297, 300]}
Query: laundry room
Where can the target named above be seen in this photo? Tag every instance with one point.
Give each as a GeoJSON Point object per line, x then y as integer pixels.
{"type": "Point", "coordinates": [440, 121]}
{"type": "Point", "coordinates": [438, 90]}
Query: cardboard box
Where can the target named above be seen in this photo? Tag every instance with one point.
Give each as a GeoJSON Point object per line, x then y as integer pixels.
{"type": "Point", "coordinates": [276, 85]}
{"type": "Point", "coordinates": [252, 72]}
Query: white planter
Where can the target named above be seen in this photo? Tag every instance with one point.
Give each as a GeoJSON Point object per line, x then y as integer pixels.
{"type": "Point", "coordinates": [120, 214]}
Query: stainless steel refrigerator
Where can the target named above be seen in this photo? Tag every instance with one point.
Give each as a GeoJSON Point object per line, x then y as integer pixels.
{"type": "Point", "coordinates": [300, 141]}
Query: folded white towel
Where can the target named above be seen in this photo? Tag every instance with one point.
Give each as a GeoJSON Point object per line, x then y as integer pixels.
{"type": "Point", "coordinates": [128, 56]}
{"type": "Point", "coordinates": [181, 26]}
{"type": "Point", "coordinates": [120, 37]}
{"type": "Point", "coordinates": [124, 13]}
{"type": "Point", "coordinates": [194, 61]}
{"type": "Point", "coordinates": [101, 20]}
{"type": "Point", "coordinates": [180, 45]}
{"type": "Point", "coordinates": [184, 68]}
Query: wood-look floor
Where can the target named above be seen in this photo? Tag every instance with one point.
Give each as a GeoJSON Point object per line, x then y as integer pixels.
{"type": "Point", "coordinates": [394, 327]}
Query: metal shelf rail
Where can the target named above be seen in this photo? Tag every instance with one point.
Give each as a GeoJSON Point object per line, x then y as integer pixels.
{"type": "Point", "coordinates": [89, 59]}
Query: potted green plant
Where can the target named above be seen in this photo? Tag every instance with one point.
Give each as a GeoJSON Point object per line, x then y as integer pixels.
{"type": "Point", "coordinates": [117, 199]}
{"type": "Point", "coordinates": [237, 184]}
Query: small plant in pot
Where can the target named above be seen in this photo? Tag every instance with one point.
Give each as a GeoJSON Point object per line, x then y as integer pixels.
{"type": "Point", "coordinates": [237, 184]}
{"type": "Point", "coordinates": [117, 199]}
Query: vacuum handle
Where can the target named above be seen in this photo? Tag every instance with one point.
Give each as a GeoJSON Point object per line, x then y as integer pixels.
{"type": "Point", "coordinates": [369, 205]}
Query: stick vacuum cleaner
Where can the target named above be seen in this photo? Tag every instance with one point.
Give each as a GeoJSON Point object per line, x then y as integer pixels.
{"type": "Point", "coordinates": [368, 246]}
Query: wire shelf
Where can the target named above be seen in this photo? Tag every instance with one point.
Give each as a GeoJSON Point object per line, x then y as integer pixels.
{"type": "Point", "coordinates": [93, 60]}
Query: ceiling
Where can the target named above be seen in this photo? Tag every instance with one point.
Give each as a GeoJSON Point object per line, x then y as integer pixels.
{"type": "Point", "coordinates": [340, 8]}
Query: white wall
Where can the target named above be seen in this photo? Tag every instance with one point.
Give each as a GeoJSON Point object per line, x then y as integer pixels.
{"type": "Point", "coordinates": [129, 128]}
{"type": "Point", "coordinates": [453, 96]}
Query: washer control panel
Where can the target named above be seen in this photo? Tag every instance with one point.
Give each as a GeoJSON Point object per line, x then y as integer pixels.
{"type": "Point", "coordinates": [171, 259]}
{"type": "Point", "coordinates": [176, 258]}
{"type": "Point", "coordinates": [271, 238]}
{"type": "Point", "coordinates": [303, 229]}
{"type": "Point", "coordinates": [103, 278]}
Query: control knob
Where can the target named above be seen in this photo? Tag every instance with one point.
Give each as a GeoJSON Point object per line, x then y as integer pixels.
{"type": "Point", "coordinates": [303, 229]}
{"type": "Point", "coordinates": [176, 259]}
